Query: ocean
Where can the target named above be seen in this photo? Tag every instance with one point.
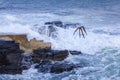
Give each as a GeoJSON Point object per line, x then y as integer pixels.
{"type": "Point", "coordinates": [100, 47]}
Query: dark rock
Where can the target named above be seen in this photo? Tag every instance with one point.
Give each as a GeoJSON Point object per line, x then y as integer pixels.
{"type": "Point", "coordinates": [48, 23]}
{"type": "Point", "coordinates": [10, 57]}
{"type": "Point", "coordinates": [44, 66]}
{"type": "Point", "coordinates": [56, 23]}
{"type": "Point", "coordinates": [56, 67]}
{"type": "Point", "coordinates": [60, 24]}
{"type": "Point", "coordinates": [26, 61]}
{"type": "Point", "coordinates": [75, 52]}
{"type": "Point", "coordinates": [41, 54]}
{"type": "Point", "coordinates": [14, 59]}
{"type": "Point", "coordinates": [44, 54]}
{"type": "Point", "coordinates": [11, 69]}
{"type": "Point", "coordinates": [9, 52]}
{"type": "Point", "coordinates": [3, 59]}
{"type": "Point", "coordinates": [9, 47]}
{"type": "Point", "coordinates": [61, 67]}
{"type": "Point", "coordinates": [59, 54]}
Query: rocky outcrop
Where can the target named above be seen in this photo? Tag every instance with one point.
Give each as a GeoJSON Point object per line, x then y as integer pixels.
{"type": "Point", "coordinates": [53, 60]}
{"type": "Point", "coordinates": [13, 61]}
{"type": "Point", "coordinates": [45, 54]}
{"type": "Point", "coordinates": [27, 46]}
{"type": "Point", "coordinates": [10, 57]}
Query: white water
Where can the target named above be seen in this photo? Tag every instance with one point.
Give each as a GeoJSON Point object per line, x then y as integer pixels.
{"type": "Point", "coordinates": [102, 43]}
{"type": "Point", "coordinates": [98, 36]}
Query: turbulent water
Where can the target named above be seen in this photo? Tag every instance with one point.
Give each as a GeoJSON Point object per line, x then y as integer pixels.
{"type": "Point", "coordinates": [101, 47]}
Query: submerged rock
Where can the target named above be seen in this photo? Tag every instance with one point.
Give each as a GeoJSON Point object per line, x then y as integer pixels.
{"type": "Point", "coordinates": [60, 24]}
{"type": "Point", "coordinates": [75, 52]}
{"type": "Point", "coordinates": [55, 23]}
{"type": "Point", "coordinates": [56, 67]}
{"type": "Point", "coordinates": [62, 67]}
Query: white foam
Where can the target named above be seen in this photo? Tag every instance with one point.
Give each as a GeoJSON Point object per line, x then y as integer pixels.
{"type": "Point", "coordinates": [24, 23]}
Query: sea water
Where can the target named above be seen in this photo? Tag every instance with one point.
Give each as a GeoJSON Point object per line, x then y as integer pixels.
{"type": "Point", "coordinates": [100, 47]}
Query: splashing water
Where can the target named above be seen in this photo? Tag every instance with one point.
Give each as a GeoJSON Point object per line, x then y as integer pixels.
{"type": "Point", "coordinates": [101, 47]}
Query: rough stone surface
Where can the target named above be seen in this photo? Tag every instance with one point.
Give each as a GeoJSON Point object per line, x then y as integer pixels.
{"type": "Point", "coordinates": [45, 54]}
{"type": "Point", "coordinates": [10, 57]}
{"type": "Point", "coordinates": [10, 69]}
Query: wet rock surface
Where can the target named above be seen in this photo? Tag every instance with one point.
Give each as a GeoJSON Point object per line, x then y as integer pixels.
{"type": "Point", "coordinates": [10, 69]}
{"type": "Point", "coordinates": [10, 57]}
{"type": "Point", "coordinates": [13, 61]}
{"type": "Point", "coordinates": [53, 60]}
{"type": "Point", "coordinates": [62, 67]}
{"type": "Point", "coordinates": [56, 67]}
{"type": "Point", "coordinates": [44, 54]}
{"type": "Point", "coordinates": [26, 61]}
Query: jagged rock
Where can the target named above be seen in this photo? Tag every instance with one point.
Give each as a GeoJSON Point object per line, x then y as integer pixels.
{"type": "Point", "coordinates": [45, 54]}
{"type": "Point", "coordinates": [56, 67]}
